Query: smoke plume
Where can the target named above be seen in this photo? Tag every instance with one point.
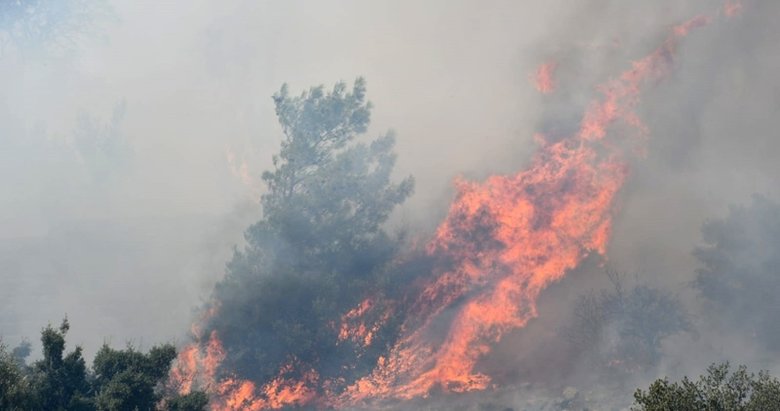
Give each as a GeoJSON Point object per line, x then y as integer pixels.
{"type": "Point", "coordinates": [580, 136]}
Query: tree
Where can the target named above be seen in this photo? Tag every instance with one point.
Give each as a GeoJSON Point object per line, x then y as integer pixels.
{"type": "Point", "coordinates": [320, 245]}
{"type": "Point", "coordinates": [719, 390]}
{"type": "Point", "coordinates": [326, 197]}
{"type": "Point", "coordinates": [741, 270]}
{"type": "Point", "coordinates": [59, 381]}
{"type": "Point", "coordinates": [623, 327]}
{"type": "Point", "coordinates": [14, 391]}
{"type": "Point", "coordinates": [128, 379]}
{"type": "Point", "coordinates": [194, 401]}
{"type": "Point", "coordinates": [119, 380]}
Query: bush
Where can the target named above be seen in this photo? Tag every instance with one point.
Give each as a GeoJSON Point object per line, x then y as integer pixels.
{"type": "Point", "coordinates": [625, 328]}
{"type": "Point", "coordinates": [741, 273]}
{"type": "Point", "coordinates": [718, 390]}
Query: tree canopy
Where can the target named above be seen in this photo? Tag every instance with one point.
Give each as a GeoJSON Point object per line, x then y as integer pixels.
{"type": "Point", "coordinates": [320, 245]}
{"type": "Point", "coordinates": [720, 389]}
{"type": "Point", "coordinates": [625, 327]}
{"type": "Point", "coordinates": [118, 380]}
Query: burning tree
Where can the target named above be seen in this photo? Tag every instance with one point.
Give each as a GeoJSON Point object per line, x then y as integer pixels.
{"type": "Point", "coordinates": [320, 247]}
{"type": "Point", "coordinates": [303, 316]}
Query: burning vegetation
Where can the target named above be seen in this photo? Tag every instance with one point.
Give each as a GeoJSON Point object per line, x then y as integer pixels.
{"type": "Point", "coordinates": [324, 308]}
{"type": "Point", "coordinates": [327, 308]}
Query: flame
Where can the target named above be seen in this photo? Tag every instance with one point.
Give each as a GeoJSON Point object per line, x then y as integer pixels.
{"type": "Point", "coordinates": [205, 316]}
{"type": "Point", "coordinates": [241, 171]}
{"type": "Point", "coordinates": [241, 395]}
{"type": "Point", "coordinates": [196, 367]}
{"type": "Point", "coordinates": [543, 78]}
{"type": "Point", "coordinates": [510, 237]}
{"type": "Point", "coordinates": [504, 240]}
{"type": "Point", "coordinates": [185, 371]}
{"type": "Point", "coordinates": [732, 8]}
{"type": "Point", "coordinates": [357, 328]}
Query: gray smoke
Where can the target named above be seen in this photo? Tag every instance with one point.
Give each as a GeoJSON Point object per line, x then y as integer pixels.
{"type": "Point", "coordinates": [117, 158]}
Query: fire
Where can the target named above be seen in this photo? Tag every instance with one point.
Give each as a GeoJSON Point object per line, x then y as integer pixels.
{"type": "Point", "coordinates": [241, 171]}
{"type": "Point", "coordinates": [543, 78]}
{"type": "Point", "coordinates": [197, 368]}
{"type": "Point", "coordinates": [732, 8]}
{"type": "Point", "coordinates": [512, 236]}
{"type": "Point", "coordinates": [357, 328]}
{"type": "Point", "coordinates": [503, 242]}
{"type": "Point", "coordinates": [509, 238]}
{"type": "Point", "coordinates": [242, 395]}
{"type": "Point", "coordinates": [185, 371]}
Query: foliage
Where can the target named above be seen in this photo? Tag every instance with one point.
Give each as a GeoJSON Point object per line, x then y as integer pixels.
{"type": "Point", "coordinates": [320, 246]}
{"type": "Point", "coordinates": [626, 327]}
{"type": "Point", "coordinates": [54, 24]}
{"type": "Point", "coordinates": [14, 392]}
{"type": "Point", "coordinates": [58, 381]}
{"type": "Point", "coordinates": [741, 273]}
{"type": "Point", "coordinates": [194, 401]}
{"type": "Point", "coordinates": [119, 379]}
{"type": "Point", "coordinates": [126, 379]}
{"type": "Point", "coordinates": [719, 390]}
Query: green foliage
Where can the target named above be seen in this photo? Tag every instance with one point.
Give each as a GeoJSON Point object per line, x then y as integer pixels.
{"type": "Point", "coordinates": [719, 390]}
{"type": "Point", "coordinates": [626, 327]}
{"type": "Point", "coordinates": [741, 270]}
{"type": "Point", "coordinates": [127, 379]}
{"type": "Point", "coordinates": [119, 380]}
{"type": "Point", "coordinates": [14, 391]}
{"type": "Point", "coordinates": [326, 196]}
{"type": "Point", "coordinates": [59, 381]}
{"type": "Point", "coordinates": [320, 245]}
{"type": "Point", "coordinates": [194, 401]}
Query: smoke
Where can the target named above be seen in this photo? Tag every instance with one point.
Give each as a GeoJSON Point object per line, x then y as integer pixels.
{"type": "Point", "coordinates": [709, 135]}
{"type": "Point", "coordinates": [120, 202]}
{"type": "Point", "coordinates": [196, 83]}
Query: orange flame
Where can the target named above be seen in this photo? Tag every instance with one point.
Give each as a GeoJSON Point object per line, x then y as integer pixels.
{"type": "Point", "coordinates": [185, 371]}
{"type": "Point", "coordinates": [543, 78]}
{"type": "Point", "coordinates": [510, 237]}
{"type": "Point", "coordinates": [198, 368]}
{"type": "Point", "coordinates": [241, 395]}
{"type": "Point", "coordinates": [241, 171]}
{"type": "Point", "coordinates": [195, 367]}
{"type": "Point", "coordinates": [356, 328]}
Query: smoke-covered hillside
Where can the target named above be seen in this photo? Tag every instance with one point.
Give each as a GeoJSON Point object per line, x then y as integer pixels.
{"type": "Point", "coordinates": [350, 205]}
